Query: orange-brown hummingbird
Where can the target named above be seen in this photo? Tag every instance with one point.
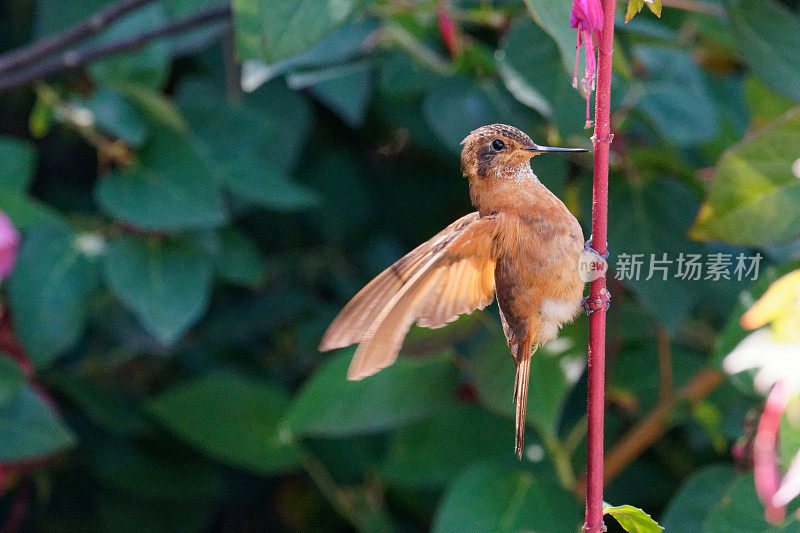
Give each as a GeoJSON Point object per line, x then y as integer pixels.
{"type": "Point", "coordinates": [521, 246]}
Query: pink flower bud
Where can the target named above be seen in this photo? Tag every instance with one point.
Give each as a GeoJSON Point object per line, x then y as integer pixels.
{"type": "Point", "coordinates": [447, 29]}
{"type": "Point", "coordinates": [9, 244]}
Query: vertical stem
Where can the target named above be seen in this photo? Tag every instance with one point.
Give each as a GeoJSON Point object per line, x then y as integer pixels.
{"type": "Point", "coordinates": [597, 321]}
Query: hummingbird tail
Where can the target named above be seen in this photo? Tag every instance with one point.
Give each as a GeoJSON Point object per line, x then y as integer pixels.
{"type": "Point", "coordinates": [521, 394]}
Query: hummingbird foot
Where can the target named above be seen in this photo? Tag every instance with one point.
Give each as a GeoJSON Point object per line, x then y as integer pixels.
{"type": "Point", "coordinates": [593, 305]}
{"type": "Point", "coordinates": [589, 247]}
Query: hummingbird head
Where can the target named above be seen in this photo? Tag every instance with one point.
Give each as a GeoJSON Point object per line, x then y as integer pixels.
{"type": "Point", "coordinates": [499, 150]}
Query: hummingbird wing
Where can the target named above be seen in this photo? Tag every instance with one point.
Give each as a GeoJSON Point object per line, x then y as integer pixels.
{"type": "Point", "coordinates": [451, 274]}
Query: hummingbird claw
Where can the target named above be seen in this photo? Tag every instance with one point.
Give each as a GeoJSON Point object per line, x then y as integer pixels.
{"type": "Point", "coordinates": [592, 306]}
{"type": "Point", "coordinates": [589, 247]}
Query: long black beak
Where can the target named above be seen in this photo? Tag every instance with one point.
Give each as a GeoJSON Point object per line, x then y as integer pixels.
{"type": "Point", "coordinates": [543, 149]}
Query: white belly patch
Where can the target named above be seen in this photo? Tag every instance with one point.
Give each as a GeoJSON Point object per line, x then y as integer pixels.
{"type": "Point", "coordinates": [554, 313]}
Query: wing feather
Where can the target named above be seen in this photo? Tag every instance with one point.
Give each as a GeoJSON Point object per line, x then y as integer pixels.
{"type": "Point", "coordinates": [353, 321]}
{"type": "Point", "coordinates": [439, 290]}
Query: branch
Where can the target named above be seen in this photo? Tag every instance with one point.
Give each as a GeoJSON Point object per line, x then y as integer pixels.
{"type": "Point", "coordinates": [328, 487]}
{"type": "Point", "coordinates": [78, 58]}
{"type": "Point", "coordinates": [597, 291]}
{"type": "Point", "coordinates": [664, 352]}
{"type": "Point", "coordinates": [560, 458]}
{"type": "Point", "coordinates": [91, 26]}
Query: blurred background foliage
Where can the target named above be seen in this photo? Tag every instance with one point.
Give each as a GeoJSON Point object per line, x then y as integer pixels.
{"type": "Point", "coordinates": [186, 244]}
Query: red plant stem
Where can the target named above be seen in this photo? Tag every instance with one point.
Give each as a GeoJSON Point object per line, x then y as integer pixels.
{"type": "Point", "coordinates": [597, 291]}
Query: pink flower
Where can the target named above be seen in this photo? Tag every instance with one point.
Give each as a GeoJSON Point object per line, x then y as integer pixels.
{"type": "Point", "coordinates": [9, 244]}
{"type": "Point", "coordinates": [587, 18]}
{"type": "Point", "coordinates": [765, 461]}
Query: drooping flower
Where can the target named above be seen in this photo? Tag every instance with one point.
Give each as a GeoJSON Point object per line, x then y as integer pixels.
{"type": "Point", "coordinates": [587, 18]}
{"type": "Point", "coordinates": [9, 244]}
{"type": "Point", "coordinates": [774, 350]}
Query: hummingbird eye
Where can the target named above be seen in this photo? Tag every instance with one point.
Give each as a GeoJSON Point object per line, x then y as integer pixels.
{"type": "Point", "coordinates": [498, 145]}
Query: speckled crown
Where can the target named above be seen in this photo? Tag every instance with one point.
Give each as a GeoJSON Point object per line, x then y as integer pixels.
{"type": "Point", "coordinates": [509, 132]}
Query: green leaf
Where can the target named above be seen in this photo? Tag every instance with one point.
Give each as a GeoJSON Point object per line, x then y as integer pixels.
{"type": "Point", "coordinates": [740, 511]}
{"type": "Point", "coordinates": [105, 407]}
{"type": "Point", "coordinates": [553, 17]}
{"type": "Point", "coordinates": [763, 103]}
{"type": "Point", "coordinates": [12, 378]}
{"type": "Point", "coordinates": [347, 205]}
{"type": "Point", "coordinates": [632, 519]}
{"type": "Point", "coordinates": [51, 17]}
{"type": "Point", "coordinates": [489, 498]}
{"type": "Point", "coordinates": [654, 6]}
{"type": "Point", "coordinates": [675, 96]}
{"type": "Point", "coordinates": [493, 369]}
{"type": "Point", "coordinates": [455, 107]}
{"type": "Point", "coordinates": [272, 122]}
{"type": "Point", "coordinates": [768, 35]}
{"type": "Point", "coordinates": [634, 377]}
{"type": "Point", "coordinates": [341, 45]}
{"type": "Point", "coordinates": [31, 429]}
{"type": "Point", "coordinates": [166, 284]}
{"type": "Point", "coordinates": [696, 497]}
{"type": "Point", "coordinates": [156, 107]}
{"type": "Point", "coordinates": [403, 75]}
{"type": "Point", "coordinates": [265, 186]}
{"type": "Point", "coordinates": [177, 9]}
{"type": "Point", "coordinates": [637, 228]}
{"type": "Point", "coordinates": [18, 162]}
{"type": "Point", "coordinates": [229, 417]}
{"type": "Point", "coordinates": [329, 405]}
{"type": "Point", "coordinates": [271, 31]}
{"type": "Point", "coordinates": [755, 198]}
{"type": "Point", "coordinates": [345, 89]}
{"type": "Point", "coordinates": [432, 452]}
{"type": "Point", "coordinates": [114, 114]}
{"type": "Point", "coordinates": [250, 146]}
{"type": "Point", "coordinates": [25, 212]}
{"type": "Point", "coordinates": [458, 105]}
{"type": "Point", "coordinates": [237, 259]}
{"type": "Point", "coordinates": [148, 66]}
{"type": "Point", "coordinates": [161, 474]}
{"type": "Point", "coordinates": [49, 291]}
{"type": "Point", "coordinates": [529, 66]}
{"type": "Point", "coordinates": [634, 7]}
{"type": "Point", "coordinates": [170, 188]}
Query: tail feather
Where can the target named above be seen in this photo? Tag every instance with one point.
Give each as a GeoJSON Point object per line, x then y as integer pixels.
{"type": "Point", "coordinates": [523, 360]}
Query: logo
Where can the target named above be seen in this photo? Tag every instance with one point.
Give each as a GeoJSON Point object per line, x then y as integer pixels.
{"type": "Point", "coordinates": [591, 266]}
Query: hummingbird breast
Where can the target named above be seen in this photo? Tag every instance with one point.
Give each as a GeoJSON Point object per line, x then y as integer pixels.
{"type": "Point", "coordinates": [537, 283]}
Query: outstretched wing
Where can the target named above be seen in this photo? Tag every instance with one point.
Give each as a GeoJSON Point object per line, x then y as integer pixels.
{"type": "Point", "coordinates": [449, 275]}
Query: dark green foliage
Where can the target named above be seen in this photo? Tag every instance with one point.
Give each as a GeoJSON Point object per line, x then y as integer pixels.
{"type": "Point", "coordinates": [185, 246]}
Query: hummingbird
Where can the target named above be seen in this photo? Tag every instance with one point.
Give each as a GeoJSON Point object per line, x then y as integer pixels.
{"type": "Point", "coordinates": [522, 246]}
